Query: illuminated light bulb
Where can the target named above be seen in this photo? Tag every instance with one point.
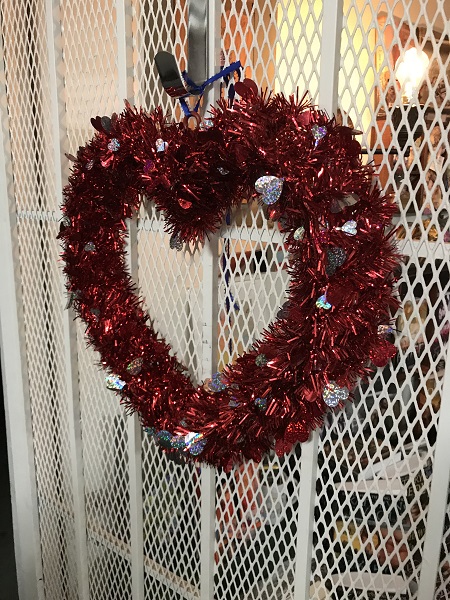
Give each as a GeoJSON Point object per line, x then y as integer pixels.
{"type": "Point", "coordinates": [410, 70]}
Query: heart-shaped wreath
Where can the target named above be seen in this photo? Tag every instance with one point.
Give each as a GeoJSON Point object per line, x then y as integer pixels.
{"type": "Point", "coordinates": [335, 324]}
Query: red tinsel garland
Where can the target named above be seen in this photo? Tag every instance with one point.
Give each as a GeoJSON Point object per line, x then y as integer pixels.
{"type": "Point", "coordinates": [341, 286]}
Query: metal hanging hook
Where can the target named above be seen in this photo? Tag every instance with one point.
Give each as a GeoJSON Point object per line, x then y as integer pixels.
{"type": "Point", "coordinates": [183, 85]}
{"type": "Point", "coordinates": [172, 80]}
{"type": "Point", "coordinates": [169, 75]}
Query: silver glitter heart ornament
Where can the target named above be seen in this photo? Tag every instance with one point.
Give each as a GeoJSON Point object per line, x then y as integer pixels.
{"type": "Point", "coordinates": [333, 394]}
{"type": "Point", "coordinates": [270, 188]}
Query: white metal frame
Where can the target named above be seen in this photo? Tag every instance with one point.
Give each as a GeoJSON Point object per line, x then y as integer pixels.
{"type": "Point", "coordinates": [60, 146]}
{"type": "Point", "coordinates": [438, 497]}
{"type": "Point", "coordinates": [17, 402]}
{"type": "Point", "coordinates": [15, 381]}
{"type": "Point", "coordinates": [329, 69]}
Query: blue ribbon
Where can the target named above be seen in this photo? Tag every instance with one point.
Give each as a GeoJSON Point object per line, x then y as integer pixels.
{"type": "Point", "coordinates": [199, 90]}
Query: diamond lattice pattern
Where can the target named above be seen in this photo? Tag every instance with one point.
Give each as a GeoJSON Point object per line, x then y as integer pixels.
{"type": "Point", "coordinates": [257, 510]}
{"type": "Point", "coordinates": [375, 466]}
{"type": "Point", "coordinates": [376, 460]}
{"type": "Point", "coordinates": [28, 99]}
{"type": "Point", "coordinates": [157, 26]}
{"type": "Point", "coordinates": [89, 41]}
{"type": "Point", "coordinates": [277, 43]}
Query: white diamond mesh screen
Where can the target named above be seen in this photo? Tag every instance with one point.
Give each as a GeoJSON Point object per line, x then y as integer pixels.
{"type": "Point", "coordinates": [171, 285]}
{"type": "Point", "coordinates": [375, 462]}
{"type": "Point", "coordinates": [253, 279]}
{"type": "Point", "coordinates": [89, 45]}
{"type": "Point", "coordinates": [375, 465]}
{"type": "Point", "coordinates": [257, 509]}
{"type": "Point", "coordinates": [277, 42]}
{"type": "Point", "coordinates": [171, 499]}
{"type": "Point", "coordinates": [157, 26]}
{"type": "Point", "coordinates": [28, 100]}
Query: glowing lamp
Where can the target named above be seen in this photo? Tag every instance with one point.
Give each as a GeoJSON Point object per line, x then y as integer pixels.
{"type": "Point", "coordinates": [410, 70]}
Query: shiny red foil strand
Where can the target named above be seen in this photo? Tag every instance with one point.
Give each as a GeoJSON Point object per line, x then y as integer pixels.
{"type": "Point", "coordinates": [199, 176]}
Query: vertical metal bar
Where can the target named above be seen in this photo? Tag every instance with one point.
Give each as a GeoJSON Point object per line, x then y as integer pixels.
{"type": "Point", "coordinates": [198, 18]}
{"type": "Point", "coordinates": [208, 495]}
{"type": "Point", "coordinates": [15, 382]}
{"type": "Point", "coordinates": [125, 91]}
{"type": "Point", "coordinates": [330, 54]}
{"type": "Point", "coordinates": [210, 284]}
{"type": "Point", "coordinates": [135, 465]}
{"type": "Point", "coordinates": [209, 365]}
{"type": "Point", "coordinates": [438, 496]}
{"type": "Point", "coordinates": [125, 65]}
{"type": "Point", "coordinates": [305, 520]}
{"type": "Point", "coordinates": [213, 41]}
{"type": "Point", "coordinates": [332, 13]}
{"type": "Point", "coordinates": [60, 147]}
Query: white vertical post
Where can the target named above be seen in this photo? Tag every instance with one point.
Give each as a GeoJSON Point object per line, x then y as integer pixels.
{"type": "Point", "coordinates": [15, 382]}
{"type": "Point", "coordinates": [330, 54]}
{"type": "Point", "coordinates": [135, 464]}
{"type": "Point", "coordinates": [60, 147]}
{"type": "Point", "coordinates": [438, 495]}
{"type": "Point", "coordinates": [213, 39]}
{"type": "Point", "coordinates": [125, 91]}
{"type": "Point", "coordinates": [305, 521]}
{"type": "Point", "coordinates": [209, 365]}
{"type": "Point", "coordinates": [198, 66]}
{"type": "Point", "coordinates": [210, 313]}
{"type": "Point", "coordinates": [328, 94]}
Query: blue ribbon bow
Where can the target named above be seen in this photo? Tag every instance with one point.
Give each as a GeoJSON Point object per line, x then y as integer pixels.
{"type": "Point", "coordinates": [199, 90]}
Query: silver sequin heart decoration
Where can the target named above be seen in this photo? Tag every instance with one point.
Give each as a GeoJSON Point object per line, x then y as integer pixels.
{"type": "Point", "coordinates": [349, 227]}
{"type": "Point", "coordinates": [270, 188]}
{"type": "Point", "coordinates": [333, 394]}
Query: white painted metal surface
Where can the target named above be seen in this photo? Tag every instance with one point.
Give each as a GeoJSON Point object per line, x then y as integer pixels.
{"type": "Point", "coordinates": [362, 510]}
{"type": "Point", "coordinates": [60, 147]}
{"type": "Point", "coordinates": [15, 381]}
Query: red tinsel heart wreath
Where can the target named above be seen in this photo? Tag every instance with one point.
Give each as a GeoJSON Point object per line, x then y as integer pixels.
{"type": "Point", "coordinates": [309, 172]}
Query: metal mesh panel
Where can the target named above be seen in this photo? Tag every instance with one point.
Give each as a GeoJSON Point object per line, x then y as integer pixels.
{"type": "Point", "coordinates": [375, 465]}
{"type": "Point", "coordinates": [256, 512]}
{"type": "Point", "coordinates": [90, 65]}
{"type": "Point", "coordinates": [158, 26]}
{"type": "Point", "coordinates": [171, 499]}
{"type": "Point", "coordinates": [28, 98]}
{"type": "Point", "coordinates": [171, 285]}
{"type": "Point", "coordinates": [43, 327]}
{"type": "Point", "coordinates": [25, 42]}
{"type": "Point", "coordinates": [91, 82]}
{"type": "Point", "coordinates": [257, 506]}
{"type": "Point", "coordinates": [253, 280]}
{"type": "Point", "coordinates": [375, 462]}
{"type": "Point", "coordinates": [159, 590]}
{"type": "Point", "coordinates": [109, 568]}
{"type": "Point", "coordinates": [106, 476]}
{"type": "Point", "coordinates": [278, 43]}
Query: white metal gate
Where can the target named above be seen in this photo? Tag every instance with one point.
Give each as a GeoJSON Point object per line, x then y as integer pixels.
{"type": "Point", "coordinates": [99, 513]}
